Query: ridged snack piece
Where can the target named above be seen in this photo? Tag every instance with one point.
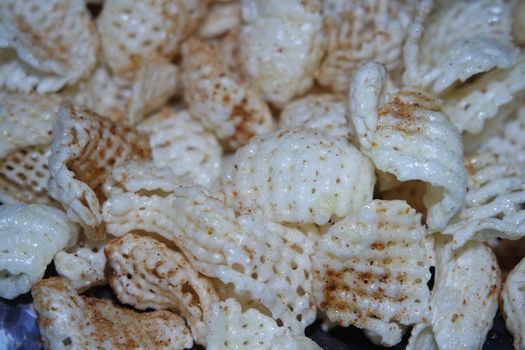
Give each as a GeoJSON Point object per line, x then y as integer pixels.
{"type": "Point", "coordinates": [221, 18]}
{"type": "Point", "coordinates": [512, 304]}
{"type": "Point", "coordinates": [511, 140]}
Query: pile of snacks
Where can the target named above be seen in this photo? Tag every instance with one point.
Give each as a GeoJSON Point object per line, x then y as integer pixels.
{"type": "Point", "coordinates": [236, 169]}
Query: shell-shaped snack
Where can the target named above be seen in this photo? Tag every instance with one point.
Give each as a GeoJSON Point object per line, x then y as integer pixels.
{"type": "Point", "coordinates": [69, 321]}
{"type": "Point", "coordinates": [232, 328]}
{"type": "Point", "coordinates": [86, 147]}
{"type": "Point", "coordinates": [299, 175]}
{"type": "Point", "coordinates": [223, 102]}
{"type": "Point", "coordinates": [371, 270]}
{"type": "Point", "coordinates": [361, 31]}
{"type": "Point", "coordinates": [140, 32]}
{"type": "Point", "coordinates": [325, 112]}
{"type": "Point", "coordinates": [45, 45]}
{"type": "Point", "coordinates": [494, 200]}
{"type": "Point", "coordinates": [281, 46]}
{"type": "Point", "coordinates": [269, 262]}
{"type": "Point", "coordinates": [410, 137]}
{"type": "Point", "coordinates": [512, 302]}
{"type": "Point", "coordinates": [83, 264]}
{"type": "Point", "coordinates": [145, 273]}
{"type": "Point", "coordinates": [221, 18]}
{"type": "Point", "coordinates": [181, 143]}
{"type": "Point", "coordinates": [30, 235]}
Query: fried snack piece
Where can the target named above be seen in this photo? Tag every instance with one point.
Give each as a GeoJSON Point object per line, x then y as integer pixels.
{"type": "Point", "coordinates": [45, 45]}
{"type": "Point", "coordinates": [512, 303]}
{"type": "Point", "coordinates": [85, 148]}
{"type": "Point", "coordinates": [299, 175]}
{"type": "Point", "coordinates": [221, 18]}
{"type": "Point", "coordinates": [223, 103]}
{"type": "Point", "coordinates": [325, 112]}
{"type": "Point", "coordinates": [30, 235]}
{"type": "Point", "coordinates": [410, 137]}
{"type": "Point", "coordinates": [67, 320]}
{"type": "Point", "coordinates": [371, 270]}
{"type": "Point", "coordinates": [181, 143]}
{"type": "Point", "coordinates": [232, 328]}
{"type": "Point", "coordinates": [145, 273]}
{"type": "Point", "coordinates": [281, 46]}
{"type": "Point", "coordinates": [140, 32]}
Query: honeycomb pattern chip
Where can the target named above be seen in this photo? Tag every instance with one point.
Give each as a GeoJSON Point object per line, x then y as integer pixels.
{"type": "Point", "coordinates": [512, 302]}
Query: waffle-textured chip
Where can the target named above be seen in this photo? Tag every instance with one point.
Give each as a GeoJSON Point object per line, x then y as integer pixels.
{"type": "Point", "coordinates": [83, 264]}
{"type": "Point", "coordinates": [361, 31]}
{"type": "Point", "coordinates": [325, 112]}
{"type": "Point", "coordinates": [268, 261]}
{"type": "Point", "coordinates": [221, 18]}
{"type": "Point", "coordinates": [512, 303]}
{"type": "Point", "coordinates": [299, 175]}
{"type": "Point", "coordinates": [226, 105]}
{"type": "Point", "coordinates": [45, 45]}
{"type": "Point", "coordinates": [371, 270]}
{"type": "Point", "coordinates": [140, 32]}
{"type": "Point", "coordinates": [30, 235]}
{"type": "Point", "coordinates": [182, 143]}
{"type": "Point", "coordinates": [86, 147]}
{"type": "Point", "coordinates": [145, 273]}
{"type": "Point", "coordinates": [494, 200]}
{"type": "Point", "coordinates": [69, 321]}
{"type": "Point", "coordinates": [281, 46]}
{"type": "Point", "coordinates": [410, 137]}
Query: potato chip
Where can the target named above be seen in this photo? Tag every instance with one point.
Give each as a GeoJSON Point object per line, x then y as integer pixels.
{"type": "Point", "coordinates": [221, 18]}
{"type": "Point", "coordinates": [181, 143]}
{"type": "Point", "coordinates": [69, 321]}
{"type": "Point", "coordinates": [45, 46]}
{"type": "Point", "coordinates": [86, 147]}
{"type": "Point", "coordinates": [494, 200]}
{"type": "Point", "coordinates": [361, 31]}
{"type": "Point", "coordinates": [145, 273]}
{"type": "Point", "coordinates": [281, 46]}
{"type": "Point", "coordinates": [224, 104]}
{"type": "Point", "coordinates": [139, 33]}
{"type": "Point", "coordinates": [30, 235]}
{"type": "Point", "coordinates": [325, 112]}
{"type": "Point", "coordinates": [299, 175]}
{"type": "Point", "coordinates": [512, 303]}
{"type": "Point", "coordinates": [371, 270]}
{"type": "Point", "coordinates": [422, 338]}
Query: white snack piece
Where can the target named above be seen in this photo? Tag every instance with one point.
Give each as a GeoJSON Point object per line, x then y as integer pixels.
{"type": "Point", "coordinates": [513, 303]}
{"type": "Point", "coordinates": [69, 321]}
{"type": "Point", "coordinates": [145, 273]}
{"type": "Point", "coordinates": [221, 18]}
{"type": "Point", "coordinates": [30, 235]}
{"type": "Point", "coordinates": [223, 103]}
{"type": "Point", "coordinates": [281, 46]}
{"type": "Point", "coordinates": [371, 270]}
{"type": "Point", "coordinates": [299, 175]}
{"type": "Point", "coordinates": [410, 137]}
{"type": "Point", "coordinates": [181, 143]}
{"type": "Point", "coordinates": [45, 45]}
{"type": "Point", "coordinates": [325, 112]}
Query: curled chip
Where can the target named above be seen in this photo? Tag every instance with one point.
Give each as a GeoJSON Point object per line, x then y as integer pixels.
{"type": "Point", "coordinates": [494, 200]}
{"type": "Point", "coordinates": [361, 31]}
{"type": "Point", "coordinates": [281, 46]}
{"type": "Point", "coordinates": [30, 235]}
{"type": "Point", "coordinates": [325, 112]}
{"type": "Point", "coordinates": [299, 175]}
{"type": "Point", "coordinates": [464, 298]}
{"type": "Point", "coordinates": [221, 18]}
{"type": "Point", "coordinates": [85, 148]}
{"type": "Point", "coordinates": [231, 328]}
{"type": "Point", "coordinates": [371, 270]}
{"type": "Point", "coordinates": [410, 137]}
{"type": "Point", "coordinates": [269, 262]}
{"type": "Point", "coordinates": [513, 303]}
{"type": "Point", "coordinates": [146, 273]}
{"type": "Point", "coordinates": [83, 264]}
{"type": "Point", "coordinates": [181, 143]}
{"type": "Point", "coordinates": [45, 45]}
{"type": "Point", "coordinates": [67, 320]}
{"type": "Point", "coordinates": [140, 32]}
{"type": "Point", "coordinates": [223, 103]}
